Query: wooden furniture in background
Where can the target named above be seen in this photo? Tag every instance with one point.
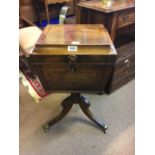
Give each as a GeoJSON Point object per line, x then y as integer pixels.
{"type": "Point", "coordinates": [118, 17]}
{"type": "Point", "coordinates": [28, 10]}
{"type": "Point", "coordinates": [49, 2]}
{"type": "Point", "coordinates": [124, 68]}
{"type": "Point", "coordinates": [34, 10]}
{"type": "Point", "coordinates": [23, 21]}
{"type": "Point", "coordinates": [74, 58]}
{"type": "Point", "coordinates": [28, 33]}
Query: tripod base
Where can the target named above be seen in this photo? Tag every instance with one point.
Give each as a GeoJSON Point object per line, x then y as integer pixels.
{"type": "Point", "coordinates": [67, 104]}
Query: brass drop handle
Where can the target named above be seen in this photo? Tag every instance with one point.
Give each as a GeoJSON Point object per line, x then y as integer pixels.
{"type": "Point", "coordinates": [125, 17]}
{"type": "Point", "coordinates": [127, 62]}
{"type": "Point", "coordinates": [72, 62]}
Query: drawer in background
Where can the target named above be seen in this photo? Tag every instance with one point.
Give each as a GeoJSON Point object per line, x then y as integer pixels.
{"type": "Point", "coordinates": [122, 82]}
{"type": "Point", "coordinates": [125, 63]}
{"type": "Point", "coordinates": [125, 18]}
{"type": "Point", "coordinates": [123, 73]}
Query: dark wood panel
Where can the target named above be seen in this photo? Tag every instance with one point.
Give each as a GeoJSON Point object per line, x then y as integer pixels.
{"type": "Point", "coordinates": [118, 75]}
{"type": "Point", "coordinates": [122, 82]}
{"type": "Point", "coordinates": [57, 77]}
{"type": "Point", "coordinates": [124, 68]}
{"type": "Point", "coordinates": [25, 2]}
{"type": "Point", "coordinates": [65, 59]}
{"type": "Point", "coordinates": [73, 70]}
{"type": "Point", "coordinates": [126, 17]}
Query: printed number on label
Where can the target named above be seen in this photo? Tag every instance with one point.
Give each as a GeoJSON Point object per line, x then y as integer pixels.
{"type": "Point", "coordinates": [72, 48]}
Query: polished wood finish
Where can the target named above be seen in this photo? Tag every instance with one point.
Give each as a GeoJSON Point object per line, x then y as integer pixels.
{"type": "Point", "coordinates": [74, 34]}
{"type": "Point", "coordinates": [116, 5]}
{"type": "Point", "coordinates": [62, 70]}
{"type": "Point", "coordinates": [119, 14]}
{"type": "Point", "coordinates": [67, 104]}
{"type": "Point", "coordinates": [85, 67]}
{"type": "Point", "coordinates": [56, 39]}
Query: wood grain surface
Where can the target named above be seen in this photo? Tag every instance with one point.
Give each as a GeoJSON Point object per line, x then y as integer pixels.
{"type": "Point", "coordinates": [88, 39]}
{"type": "Point", "coordinates": [87, 69]}
{"type": "Point", "coordinates": [116, 5]}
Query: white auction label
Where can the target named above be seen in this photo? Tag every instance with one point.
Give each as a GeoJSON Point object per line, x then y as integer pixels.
{"type": "Point", "coordinates": [72, 48]}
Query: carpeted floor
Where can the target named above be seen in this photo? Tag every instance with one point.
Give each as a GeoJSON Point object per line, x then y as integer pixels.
{"type": "Point", "coordinates": [75, 134]}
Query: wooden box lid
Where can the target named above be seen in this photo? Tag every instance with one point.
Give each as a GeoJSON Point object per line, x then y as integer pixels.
{"type": "Point", "coordinates": [79, 39]}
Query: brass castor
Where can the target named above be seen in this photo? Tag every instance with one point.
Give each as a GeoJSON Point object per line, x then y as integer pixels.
{"type": "Point", "coordinates": [46, 127]}
{"type": "Point", "coordinates": [105, 128]}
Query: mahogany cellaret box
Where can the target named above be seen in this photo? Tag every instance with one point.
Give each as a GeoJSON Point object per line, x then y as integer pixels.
{"type": "Point", "coordinates": [74, 58]}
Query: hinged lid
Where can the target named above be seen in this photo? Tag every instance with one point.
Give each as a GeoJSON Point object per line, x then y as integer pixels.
{"type": "Point", "coordinates": [79, 39]}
